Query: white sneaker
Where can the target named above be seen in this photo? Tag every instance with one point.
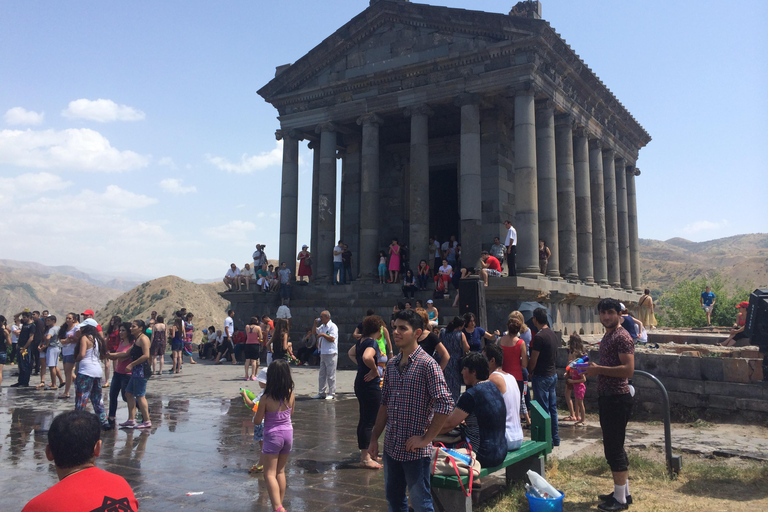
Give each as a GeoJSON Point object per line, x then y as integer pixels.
{"type": "Point", "coordinates": [330, 397]}
{"type": "Point", "coordinates": [319, 396]}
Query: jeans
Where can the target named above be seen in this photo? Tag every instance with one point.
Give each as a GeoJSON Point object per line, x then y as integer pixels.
{"type": "Point", "coordinates": [368, 398]}
{"type": "Point", "coordinates": [338, 273]}
{"type": "Point", "coordinates": [511, 261]}
{"type": "Point", "coordinates": [413, 475]}
{"type": "Point", "coordinates": [348, 273]}
{"type": "Point", "coordinates": [285, 291]}
{"type": "Point", "coordinates": [544, 393]}
{"type": "Point", "coordinates": [117, 388]}
{"type": "Point", "coordinates": [327, 375]}
{"type": "Point", "coordinates": [25, 368]}
{"type": "Point", "coordinates": [615, 412]}
{"type": "Point", "coordinates": [421, 281]}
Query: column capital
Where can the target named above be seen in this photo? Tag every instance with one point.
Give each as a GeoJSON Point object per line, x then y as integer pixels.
{"type": "Point", "coordinates": [565, 119]}
{"type": "Point", "coordinates": [341, 153]}
{"type": "Point", "coordinates": [579, 131]}
{"type": "Point", "coordinates": [636, 172]}
{"type": "Point", "coordinates": [313, 144]}
{"type": "Point", "coordinates": [595, 144]}
{"type": "Point", "coordinates": [608, 151]}
{"type": "Point", "coordinates": [528, 88]}
{"type": "Point", "coordinates": [326, 127]}
{"type": "Point", "coordinates": [280, 134]}
{"type": "Point", "coordinates": [619, 159]}
{"type": "Point", "coordinates": [467, 99]}
{"type": "Point", "coordinates": [370, 118]}
{"type": "Point", "coordinates": [545, 104]}
{"type": "Point", "coordinates": [423, 110]}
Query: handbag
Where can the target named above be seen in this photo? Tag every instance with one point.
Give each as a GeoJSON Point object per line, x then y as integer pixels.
{"type": "Point", "coordinates": [308, 261]}
{"type": "Point", "coordinates": [457, 462]}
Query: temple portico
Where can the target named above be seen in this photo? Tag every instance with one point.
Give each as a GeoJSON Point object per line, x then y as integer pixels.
{"type": "Point", "coordinates": [448, 122]}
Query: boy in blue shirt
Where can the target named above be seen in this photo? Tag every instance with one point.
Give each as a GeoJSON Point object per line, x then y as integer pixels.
{"type": "Point", "coordinates": [708, 303]}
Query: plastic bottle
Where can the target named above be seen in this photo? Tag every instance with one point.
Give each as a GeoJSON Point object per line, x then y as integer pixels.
{"type": "Point", "coordinates": [532, 491]}
{"type": "Point", "coordinates": [542, 485]}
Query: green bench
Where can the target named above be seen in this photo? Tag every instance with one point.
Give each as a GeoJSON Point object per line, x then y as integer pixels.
{"type": "Point", "coordinates": [447, 495]}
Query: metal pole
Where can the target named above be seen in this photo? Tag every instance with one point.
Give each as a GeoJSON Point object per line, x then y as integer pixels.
{"type": "Point", "coordinates": [674, 463]}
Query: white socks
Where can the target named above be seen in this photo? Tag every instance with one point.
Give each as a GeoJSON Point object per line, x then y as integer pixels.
{"type": "Point", "coordinates": [620, 493]}
{"type": "Point", "coordinates": [627, 487]}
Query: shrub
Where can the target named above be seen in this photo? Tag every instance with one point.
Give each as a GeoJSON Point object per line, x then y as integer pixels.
{"type": "Point", "coordinates": [680, 305]}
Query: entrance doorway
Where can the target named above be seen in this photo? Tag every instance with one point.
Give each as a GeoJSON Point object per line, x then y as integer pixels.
{"type": "Point", "coordinates": [444, 203]}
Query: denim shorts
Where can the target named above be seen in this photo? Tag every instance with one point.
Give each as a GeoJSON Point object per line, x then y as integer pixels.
{"type": "Point", "coordinates": [258, 432]}
{"type": "Point", "coordinates": [69, 359]}
{"type": "Point", "coordinates": [137, 386]}
{"type": "Point", "coordinates": [3, 357]}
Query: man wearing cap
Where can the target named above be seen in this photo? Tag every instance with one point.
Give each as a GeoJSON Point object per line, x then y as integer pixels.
{"type": "Point", "coordinates": [88, 314]}
{"type": "Point", "coordinates": [708, 300]}
{"type": "Point", "coordinates": [617, 365]}
{"type": "Point", "coordinates": [737, 331]}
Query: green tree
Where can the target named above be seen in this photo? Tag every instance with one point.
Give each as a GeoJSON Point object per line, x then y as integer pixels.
{"type": "Point", "coordinates": [680, 306]}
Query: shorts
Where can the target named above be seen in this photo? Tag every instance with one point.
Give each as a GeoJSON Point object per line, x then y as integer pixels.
{"type": "Point", "coordinates": [69, 359]}
{"type": "Point", "coordinates": [493, 272]}
{"type": "Point", "coordinates": [3, 357]}
{"type": "Point", "coordinates": [176, 346]}
{"type": "Point", "coordinates": [708, 309]}
{"type": "Point", "coordinates": [52, 357]}
{"type": "Point", "coordinates": [278, 443]}
{"type": "Point", "coordinates": [158, 349]}
{"type": "Point", "coordinates": [137, 386]}
{"type": "Point", "coordinates": [258, 432]}
{"type": "Point", "coordinates": [579, 390]}
{"type": "Point", "coordinates": [382, 270]}
{"type": "Point", "coordinates": [252, 351]}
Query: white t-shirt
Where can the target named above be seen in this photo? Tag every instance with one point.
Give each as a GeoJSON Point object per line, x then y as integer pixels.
{"type": "Point", "coordinates": [229, 327]}
{"type": "Point", "coordinates": [283, 312]}
{"type": "Point", "coordinates": [248, 272]}
{"type": "Point", "coordinates": [326, 347]}
{"type": "Point", "coordinates": [232, 273]}
{"type": "Point", "coordinates": [337, 257]}
{"type": "Point", "coordinates": [285, 275]}
{"type": "Point", "coordinates": [511, 238]}
{"type": "Point", "coordinates": [446, 269]}
{"type": "Point", "coordinates": [436, 246]}
{"type": "Point", "coordinates": [514, 431]}
{"type": "Point", "coordinates": [15, 330]}
{"type": "Point", "coordinates": [53, 332]}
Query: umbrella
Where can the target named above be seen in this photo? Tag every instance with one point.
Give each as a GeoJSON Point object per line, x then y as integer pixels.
{"type": "Point", "coordinates": [526, 308]}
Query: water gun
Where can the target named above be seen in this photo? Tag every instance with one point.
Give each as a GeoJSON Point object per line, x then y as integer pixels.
{"type": "Point", "coordinates": [579, 365]}
{"type": "Point", "coordinates": [252, 397]}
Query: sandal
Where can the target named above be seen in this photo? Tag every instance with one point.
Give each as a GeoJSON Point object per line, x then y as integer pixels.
{"type": "Point", "coordinates": [63, 397]}
{"type": "Point", "coordinates": [570, 418]}
{"type": "Point", "coordinates": [256, 468]}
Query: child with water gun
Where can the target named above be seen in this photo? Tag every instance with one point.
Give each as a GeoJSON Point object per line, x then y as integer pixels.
{"type": "Point", "coordinates": [252, 402]}
{"type": "Point", "coordinates": [575, 379]}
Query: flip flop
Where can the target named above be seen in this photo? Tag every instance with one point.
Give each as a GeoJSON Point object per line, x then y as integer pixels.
{"type": "Point", "coordinates": [569, 418]}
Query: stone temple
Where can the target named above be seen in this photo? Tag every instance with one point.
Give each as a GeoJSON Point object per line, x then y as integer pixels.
{"type": "Point", "coordinates": [449, 122]}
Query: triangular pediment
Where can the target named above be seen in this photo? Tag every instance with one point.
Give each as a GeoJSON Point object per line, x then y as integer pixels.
{"type": "Point", "coordinates": [391, 35]}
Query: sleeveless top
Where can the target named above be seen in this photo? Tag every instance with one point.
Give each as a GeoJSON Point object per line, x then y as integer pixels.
{"type": "Point", "coordinates": [512, 362]}
{"type": "Point", "coordinates": [514, 431]}
{"type": "Point", "coordinates": [141, 371]}
{"type": "Point", "coordinates": [158, 338]}
{"type": "Point", "coordinates": [188, 331]}
{"type": "Point", "coordinates": [90, 366]}
{"type": "Point", "coordinates": [277, 349]}
{"type": "Point", "coordinates": [252, 337]}
{"type": "Point", "coordinates": [277, 421]}
{"type": "Point", "coordinates": [382, 342]}
{"type": "Point", "coordinates": [543, 253]}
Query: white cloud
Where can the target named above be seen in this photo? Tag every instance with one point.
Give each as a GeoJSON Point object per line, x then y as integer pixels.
{"type": "Point", "coordinates": [102, 111]}
{"type": "Point", "coordinates": [76, 149]}
{"type": "Point", "coordinates": [31, 184]}
{"type": "Point", "coordinates": [235, 232]}
{"type": "Point", "coordinates": [167, 161]}
{"type": "Point", "coordinates": [174, 186]}
{"type": "Point", "coordinates": [19, 115]}
{"type": "Point", "coordinates": [249, 164]}
{"type": "Point", "coordinates": [704, 225]}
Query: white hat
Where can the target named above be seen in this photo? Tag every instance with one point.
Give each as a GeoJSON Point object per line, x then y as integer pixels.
{"type": "Point", "coordinates": [430, 301]}
{"type": "Point", "coordinates": [262, 376]}
{"type": "Point", "coordinates": [88, 321]}
{"type": "Point", "coordinates": [622, 306]}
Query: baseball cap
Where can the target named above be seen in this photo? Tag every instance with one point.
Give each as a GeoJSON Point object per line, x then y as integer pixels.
{"type": "Point", "coordinates": [262, 376]}
{"type": "Point", "coordinates": [305, 246]}
{"type": "Point", "coordinates": [430, 301]}
{"type": "Point", "coordinates": [743, 304]}
{"type": "Point", "coordinates": [622, 306]}
{"type": "Point", "coordinates": [88, 312]}
{"type": "Point", "coordinates": [88, 321]}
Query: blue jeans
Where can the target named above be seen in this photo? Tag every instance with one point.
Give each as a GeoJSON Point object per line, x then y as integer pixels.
{"type": "Point", "coordinates": [338, 272]}
{"type": "Point", "coordinates": [25, 367]}
{"type": "Point", "coordinates": [413, 475]}
{"type": "Point", "coordinates": [544, 393]}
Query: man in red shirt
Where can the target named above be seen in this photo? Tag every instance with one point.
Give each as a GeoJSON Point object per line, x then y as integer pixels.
{"type": "Point", "coordinates": [74, 442]}
{"type": "Point", "coordinates": [491, 266]}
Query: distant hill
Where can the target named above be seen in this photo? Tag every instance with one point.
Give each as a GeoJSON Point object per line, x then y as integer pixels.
{"type": "Point", "coordinates": [167, 295]}
{"type": "Point", "coordinates": [742, 260]}
{"type": "Point", "coordinates": [96, 278]}
{"type": "Point", "coordinates": [38, 289]}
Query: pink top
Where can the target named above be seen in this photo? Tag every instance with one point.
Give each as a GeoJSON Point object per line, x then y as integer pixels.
{"type": "Point", "coordinates": [122, 363]}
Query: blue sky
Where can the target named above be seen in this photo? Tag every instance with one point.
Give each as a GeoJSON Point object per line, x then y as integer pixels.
{"type": "Point", "coordinates": [177, 170]}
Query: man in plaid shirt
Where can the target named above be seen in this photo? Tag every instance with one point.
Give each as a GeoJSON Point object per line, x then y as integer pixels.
{"type": "Point", "coordinates": [415, 402]}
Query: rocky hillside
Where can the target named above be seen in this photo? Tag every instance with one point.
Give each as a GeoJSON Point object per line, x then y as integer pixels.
{"type": "Point", "coordinates": [22, 288]}
{"type": "Point", "coordinates": [166, 295]}
{"type": "Point", "coordinates": [123, 283]}
{"type": "Point", "coordinates": [742, 260]}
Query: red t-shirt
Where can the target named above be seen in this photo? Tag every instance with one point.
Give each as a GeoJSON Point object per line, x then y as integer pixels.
{"type": "Point", "coordinates": [90, 490]}
{"type": "Point", "coordinates": [493, 263]}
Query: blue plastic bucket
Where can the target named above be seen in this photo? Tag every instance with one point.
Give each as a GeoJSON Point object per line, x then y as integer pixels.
{"type": "Point", "coordinates": [542, 505]}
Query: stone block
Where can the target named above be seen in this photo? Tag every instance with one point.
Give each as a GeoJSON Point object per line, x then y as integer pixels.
{"type": "Point", "coordinates": [355, 60]}
{"type": "Point", "coordinates": [687, 399]}
{"type": "Point", "coordinates": [747, 404]}
{"type": "Point", "coordinates": [561, 360]}
{"type": "Point", "coordinates": [689, 367]}
{"type": "Point", "coordinates": [726, 403]}
{"type": "Point", "coordinates": [692, 353]}
{"type": "Point", "coordinates": [755, 370]}
{"type": "Point", "coordinates": [736, 370]}
{"type": "Point", "coordinates": [711, 369]}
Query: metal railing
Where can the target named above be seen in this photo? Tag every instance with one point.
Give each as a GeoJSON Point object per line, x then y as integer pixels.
{"type": "Point", "coordinates": [674, 462]}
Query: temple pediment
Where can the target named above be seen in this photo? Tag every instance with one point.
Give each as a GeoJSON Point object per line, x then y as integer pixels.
{"type": "Point", "coordinates": [393, 37]}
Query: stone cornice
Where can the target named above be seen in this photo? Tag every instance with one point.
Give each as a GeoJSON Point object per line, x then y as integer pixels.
{"type": "Point", "coordinates": [369, 119]}
{"type": "Point", "coordinates": [326, 127]}
{"type": "Point", "coordinates": [423, 110]}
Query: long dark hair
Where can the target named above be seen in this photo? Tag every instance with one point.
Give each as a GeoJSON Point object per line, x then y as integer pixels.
{"type": "Point", "coordinates": [455, 324]}
{"type": "Point", "coordinates": [98, 340]}
{"type": "Point", "coordinates": [281, 327]}
{"type": "Point", "coordinates": [127, 327]}
{"type": "Point", "coordinates": [114, 324]}
{"type": "Point", "coordinates": [279, 381]}
{"type": "Point", "coordinates": [142, 327]}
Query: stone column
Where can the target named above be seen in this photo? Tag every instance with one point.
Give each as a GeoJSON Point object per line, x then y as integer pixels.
{"type": "Point", "coordinates": [634, 240]}
{"type": "Point", "coordinates": [623, 224]}
{"type": "Point", "coordinates": [526, 190]}
{"type": "Point", "coordinates": [315, 147]}
{"type": "Point", "coordinates": [611, 219]}
{"type": "Point", "coordinates": [566, 198]}
{"type": "Point", "coordinates": [369, 196]}
{"type": "Point", "coordinates": [597, 187]}
{"type": "Point", "coordinates": [583, 206]}
{"type": "Point", "coordinates": [419, 184]}
{"type": "Point", "coordinates": [547, 182]}
{"type": "Point", "coordinates": [289, 196]}
{"type": "Point", "coordinates": [470, 183]}
{"type": "Point", "coordinates": [326, 208]}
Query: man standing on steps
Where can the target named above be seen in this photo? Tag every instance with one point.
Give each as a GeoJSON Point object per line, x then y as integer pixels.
{"type": "Point", "coordinates": [327, 335]}
{"type": "Point", "coordinates": [542, 365]}
{"type": "Point", "coordinates": [511, 243]}
{"type": "Point", "coordinates": [617, 364]}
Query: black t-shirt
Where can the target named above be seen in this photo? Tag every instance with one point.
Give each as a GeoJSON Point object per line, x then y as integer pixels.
{"type": "Point", "coordinates": [26, 332]}
{"type": "Point", "coordinates": [429, 344]}
{"type": "Point", "coordinates": [546, 342]}
{"type": "Point", "coordinates": [346, 258]}
{"type": "Point", "coordinates": [39, 324]}
{"type": "Point", "coordinates": [362, 368]}
{"type": "Point", "coordinates": [628, 323]}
